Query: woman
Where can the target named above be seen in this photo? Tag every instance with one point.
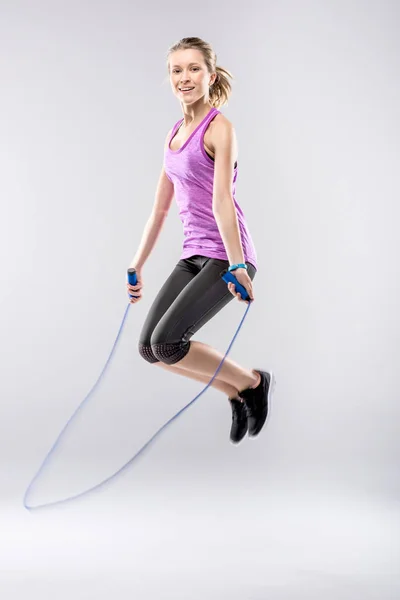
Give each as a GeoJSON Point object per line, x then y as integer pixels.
{"type": "Point", "coordinates": [200, 170]}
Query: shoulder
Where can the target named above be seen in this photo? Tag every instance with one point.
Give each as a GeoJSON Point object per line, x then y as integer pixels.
{"type": "Point", "coordinates": [221, 127]}
{"type": "Point", "coordinates": [222, 132]}
{"type": "Point", "coordinates": [221, 118]}
{"type": "Point", "coordinates": [170, 132]}
{"type": "Point", "coordinates": [167, 137]}
{"type": "Point", "coordinates": [221, 123]}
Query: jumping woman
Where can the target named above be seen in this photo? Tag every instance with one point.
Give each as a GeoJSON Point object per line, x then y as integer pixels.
{"type": "Point", "coordinates": [200, 171]}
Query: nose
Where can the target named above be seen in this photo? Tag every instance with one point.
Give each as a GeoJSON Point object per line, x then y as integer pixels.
{"type": "Point", "coordinates": [184, 77]}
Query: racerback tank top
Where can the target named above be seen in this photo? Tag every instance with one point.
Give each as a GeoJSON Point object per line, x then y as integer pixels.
{"type": "Point", "coordinates": [191, 170]}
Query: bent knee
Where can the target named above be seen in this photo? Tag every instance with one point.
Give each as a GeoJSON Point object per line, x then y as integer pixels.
{"type": "Point", "coordinates": [170, 353]}
{"type": "Point", "coordinates": [146, 352]}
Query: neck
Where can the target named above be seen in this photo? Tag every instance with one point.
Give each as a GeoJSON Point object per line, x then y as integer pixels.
{"type": "Point", "coordinates": [194, 114]}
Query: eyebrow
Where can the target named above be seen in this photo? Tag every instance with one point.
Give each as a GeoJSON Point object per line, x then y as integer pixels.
{"type": "Point", "coordinates": [190, 64]}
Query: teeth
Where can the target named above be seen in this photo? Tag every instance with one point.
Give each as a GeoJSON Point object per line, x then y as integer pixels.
{"type": "Point", "coordinates": [185, 89]}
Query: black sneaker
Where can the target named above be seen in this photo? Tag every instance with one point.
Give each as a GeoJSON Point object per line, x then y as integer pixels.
{"type": "Point", "coordinates": [239, 420]}
{"type": "Point", "coordinates": [257, 402]}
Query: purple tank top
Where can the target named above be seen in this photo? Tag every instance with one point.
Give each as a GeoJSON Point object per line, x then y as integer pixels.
{"type": "Point", "coordinates": [191, 171]}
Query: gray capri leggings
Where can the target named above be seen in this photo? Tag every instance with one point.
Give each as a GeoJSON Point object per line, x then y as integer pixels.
{"type": "Point", "coordinates": [193, 293]}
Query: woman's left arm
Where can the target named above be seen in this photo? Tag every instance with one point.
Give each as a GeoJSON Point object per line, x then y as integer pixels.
{"type": "Point", "coordinates": [225, 145]}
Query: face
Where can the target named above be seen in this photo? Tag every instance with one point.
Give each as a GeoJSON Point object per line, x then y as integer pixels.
{"type": "Point", "coordinates": [188, 70]}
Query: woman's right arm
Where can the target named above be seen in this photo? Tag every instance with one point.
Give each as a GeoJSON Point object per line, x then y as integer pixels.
{"type": "Point", "coordinates": [152, 230]}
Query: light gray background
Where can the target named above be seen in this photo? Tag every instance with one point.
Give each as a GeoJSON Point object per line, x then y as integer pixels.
{"type": "Point", "coordinates": [311, 508]}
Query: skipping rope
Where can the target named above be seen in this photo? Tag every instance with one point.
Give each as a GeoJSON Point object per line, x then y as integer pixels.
{"type": "Point", "coordinates": [227, 276]}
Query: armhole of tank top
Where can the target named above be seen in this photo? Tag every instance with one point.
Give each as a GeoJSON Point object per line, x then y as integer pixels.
{"type": "Point", "coordinates": [206, 124]}
{"type": "Point", "coordinates": [202, 134]}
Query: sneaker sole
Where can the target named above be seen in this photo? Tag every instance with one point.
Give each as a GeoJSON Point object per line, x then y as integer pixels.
{"type": "Point", "coordinates": [239, 442]}
{"type": "Point", "coordinates": [272, 383]}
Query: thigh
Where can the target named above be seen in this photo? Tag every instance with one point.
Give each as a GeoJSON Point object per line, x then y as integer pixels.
{"type": "Point", "coordinates": [182, 274]}
{"type": "Point", "coordinates": [197, 303]}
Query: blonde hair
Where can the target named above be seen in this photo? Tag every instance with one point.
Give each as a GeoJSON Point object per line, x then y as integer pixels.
{"type": "Point", "coordinates": [221, 89]}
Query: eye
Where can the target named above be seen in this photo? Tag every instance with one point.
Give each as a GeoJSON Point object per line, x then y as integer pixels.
{"type": "Point", "coordinates": [176, 70]}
